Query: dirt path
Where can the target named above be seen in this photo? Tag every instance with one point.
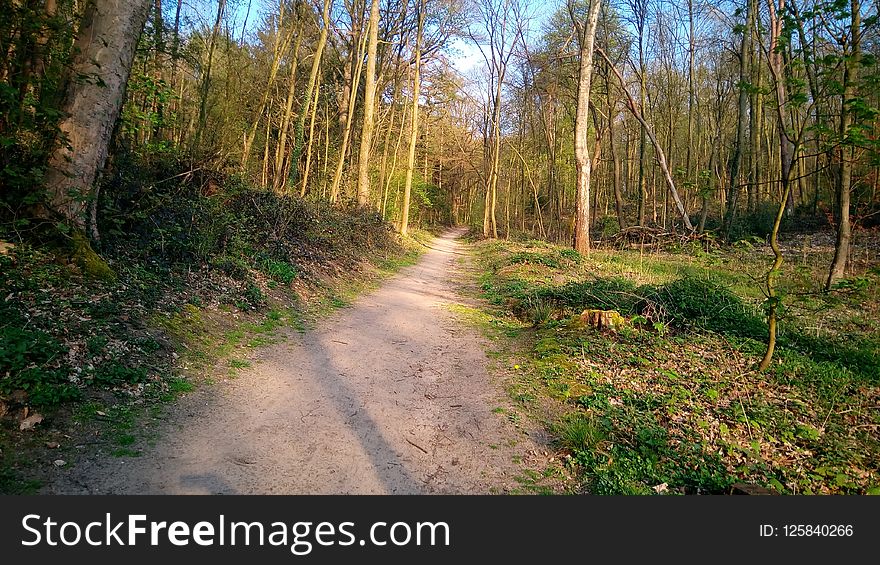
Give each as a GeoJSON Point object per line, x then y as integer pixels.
{"type": "Point", "coordinates": [391, 395]}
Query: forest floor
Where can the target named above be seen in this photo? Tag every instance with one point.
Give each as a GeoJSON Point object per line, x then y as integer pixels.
{"type": "Point", "coordinates": [392, 394]}
{"type": "Point", "coordinates": [670, 399]}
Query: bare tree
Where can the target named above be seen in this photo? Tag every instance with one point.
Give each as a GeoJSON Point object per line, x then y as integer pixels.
{"type": "Point", "coordinates": [414, 127]}
{"type": "Point", "coordinates": [586, 31]}
{"type": "Point", "coordinates": [501, 28]}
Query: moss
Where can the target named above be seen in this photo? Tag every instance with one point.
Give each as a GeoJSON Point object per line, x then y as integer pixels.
{"type": "Point", "coordinates": [90, 262]}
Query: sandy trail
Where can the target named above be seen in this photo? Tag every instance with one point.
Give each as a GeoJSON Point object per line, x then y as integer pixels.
{"type": "Point", "coordinates": [391, 395]}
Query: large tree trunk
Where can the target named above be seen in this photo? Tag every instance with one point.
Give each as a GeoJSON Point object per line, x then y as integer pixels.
{"type": "Point", "coordinates": [104, 52]}
{"type": "Point", "coordinates": [363, 187]}
{"type": "Point", "coordinates": [587, 33]}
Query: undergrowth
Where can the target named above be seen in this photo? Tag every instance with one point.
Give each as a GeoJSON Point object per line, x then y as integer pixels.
{"type": "Point", "coordinates": [671, 402]}
{"type": "Point", "coordinates": [199, 276]}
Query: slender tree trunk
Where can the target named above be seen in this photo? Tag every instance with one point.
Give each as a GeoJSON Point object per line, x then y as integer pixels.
{"type": "Point", "coordinates": [741, 124]}
{"type": "Point", "coordinates": [658, 150]}
{"type": "Point", "coordinates": [280, 48]}
{"type": "Point", "coordinates": [847, 149]}
{"type": "Point", "coordinates": [306, 170]}
{"type": "Point", "coordinates": [357, 61]}
{"type": "Point", "coordinates": [615, 159]}
{"type": "Point", "coordinates": [786, 159]}
{"type": "Point", "coordinates": [586, 35]}
{"type": "Point", "coordinates": [414, 128]}
{"type": "Point", "coordinates": [281, 148]}
{"type": "Point", "coordinates": [313, 82]}
{"type": "Point", "coordinates": [206, 78]}
{"type": "Point", "coordinates": [363, 188]}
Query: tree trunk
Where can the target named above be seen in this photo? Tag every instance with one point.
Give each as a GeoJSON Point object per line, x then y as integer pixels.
{"type": "Point", "coordinates": [299, 136]}
{"type": "Point", "coordinates": [414, 128]}
{"type": "Point", "coordinates": [741, 124]}
{"type": "Point", "coordinates": [615, 160]}
{"type": "Point", "coordinates": [279, 48]}
{"type": "Point", "coordinates": [587, 35]}
{"type": "Point", "coordinates": [847, 150]}
{"type": "Point", "coordinates": [357, 60]}
{"type": "Point", "coordinates": [658, 150]}
{"type": "Point", "coordinates": [363, 188]}
{"type": "Point", "coordinates": [306, 169]}
{"type": "Point", "coordinates": [787, 152]}
{"type": "Point", "coordinates": [206, 78]}
{"type": "Point", "coordinates": [104, 50]}
{"type": "Point", "coordinates": [280, 179]}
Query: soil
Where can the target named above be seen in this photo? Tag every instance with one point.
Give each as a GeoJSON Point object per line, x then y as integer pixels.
{"type": "Point", "coordinates": [390, 395]}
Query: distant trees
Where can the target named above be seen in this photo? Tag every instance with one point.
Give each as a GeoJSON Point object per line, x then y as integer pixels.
{"type": "Point", "coordinates": [678, 128]}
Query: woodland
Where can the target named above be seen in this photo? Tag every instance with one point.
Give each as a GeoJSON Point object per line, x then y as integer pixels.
{"type": "Point", "coordinates": [708, 171]}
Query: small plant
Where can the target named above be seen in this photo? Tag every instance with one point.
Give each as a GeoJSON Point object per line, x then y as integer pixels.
{"type": "Point", "coordinates": [540, 311]}
{"type": "Point", "coordinates": [579, 433]}
{"type": "Point", "coordinates": [571, 255]}
{"type": "Point", "coordinates": [280, 271]}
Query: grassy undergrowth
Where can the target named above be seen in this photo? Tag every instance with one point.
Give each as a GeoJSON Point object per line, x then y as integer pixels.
{"type": "Point", "coordinates": [200, 282]}
{"type": "Point", "coordinates": [671, 402]}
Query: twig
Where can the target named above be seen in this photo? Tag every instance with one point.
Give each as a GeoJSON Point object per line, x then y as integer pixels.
{"type": "Point", "coordinates": [419, 447]}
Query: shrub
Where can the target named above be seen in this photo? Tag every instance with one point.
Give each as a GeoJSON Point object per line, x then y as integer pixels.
{"type": "Point", "coordinates": [602, 294]}
{"type": "Point", "coordinates": [691, 302]}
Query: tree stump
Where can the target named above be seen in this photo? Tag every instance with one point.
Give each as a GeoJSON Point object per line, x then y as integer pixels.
{"type": "Point", "coordinates": [602, 319]}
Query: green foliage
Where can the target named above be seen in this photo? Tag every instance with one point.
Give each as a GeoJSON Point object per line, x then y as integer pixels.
{"type": "Point", "coordinates": [29, 103]}
{"type": "Point", "coordinates": [528, 257]}
{"type": "Point", "coordinates": [280, 271]}
{"type": "Point", "coordinates": [31, 360]}
{"type": "Point", "coordinates": [579, 433]}
{"type": "Point", "coordinates": [571, 255]}
{"type": "Point", "coordinates": [608, 226]}
{"type": "Point", "coordinates": [692, 302]}
{"type": "Point", "coordinates": [540, 310]}
{"type": "Point", "coordinates": [601, 294]}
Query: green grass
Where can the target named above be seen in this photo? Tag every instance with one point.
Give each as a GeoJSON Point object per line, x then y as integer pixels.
{"type": "Point", "coordinates": [672, 402]}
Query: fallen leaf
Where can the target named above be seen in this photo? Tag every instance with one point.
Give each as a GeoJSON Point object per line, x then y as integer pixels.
{"type": "Point", "coordinates": [31, 421]}
{"type": "Point", "coordinates": [53, 444]}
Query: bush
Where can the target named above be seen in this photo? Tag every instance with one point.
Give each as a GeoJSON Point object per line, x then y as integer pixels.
{"type": "Point", "coordinates": [690, 302]}
{"type": "Point", "coordinates": [528, 257]}
{"type": "Point", "coordinates": [602, 294]}
{"type": "Point", "coordinates": [608, 226]}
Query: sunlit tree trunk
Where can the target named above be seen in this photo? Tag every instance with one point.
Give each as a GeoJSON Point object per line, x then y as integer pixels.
{"type": "Point", "coordinates": [586, 36]}
{"type": "Point", "coordinates": [103, 54]}
{"type": "Point", "coordinates": [363, 187]}
{"type": "Point", "coordinates": [414, 127]}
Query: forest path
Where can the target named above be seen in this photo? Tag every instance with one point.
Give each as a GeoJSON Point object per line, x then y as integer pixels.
{"type": "Point", "coordinates": [391, 395]}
